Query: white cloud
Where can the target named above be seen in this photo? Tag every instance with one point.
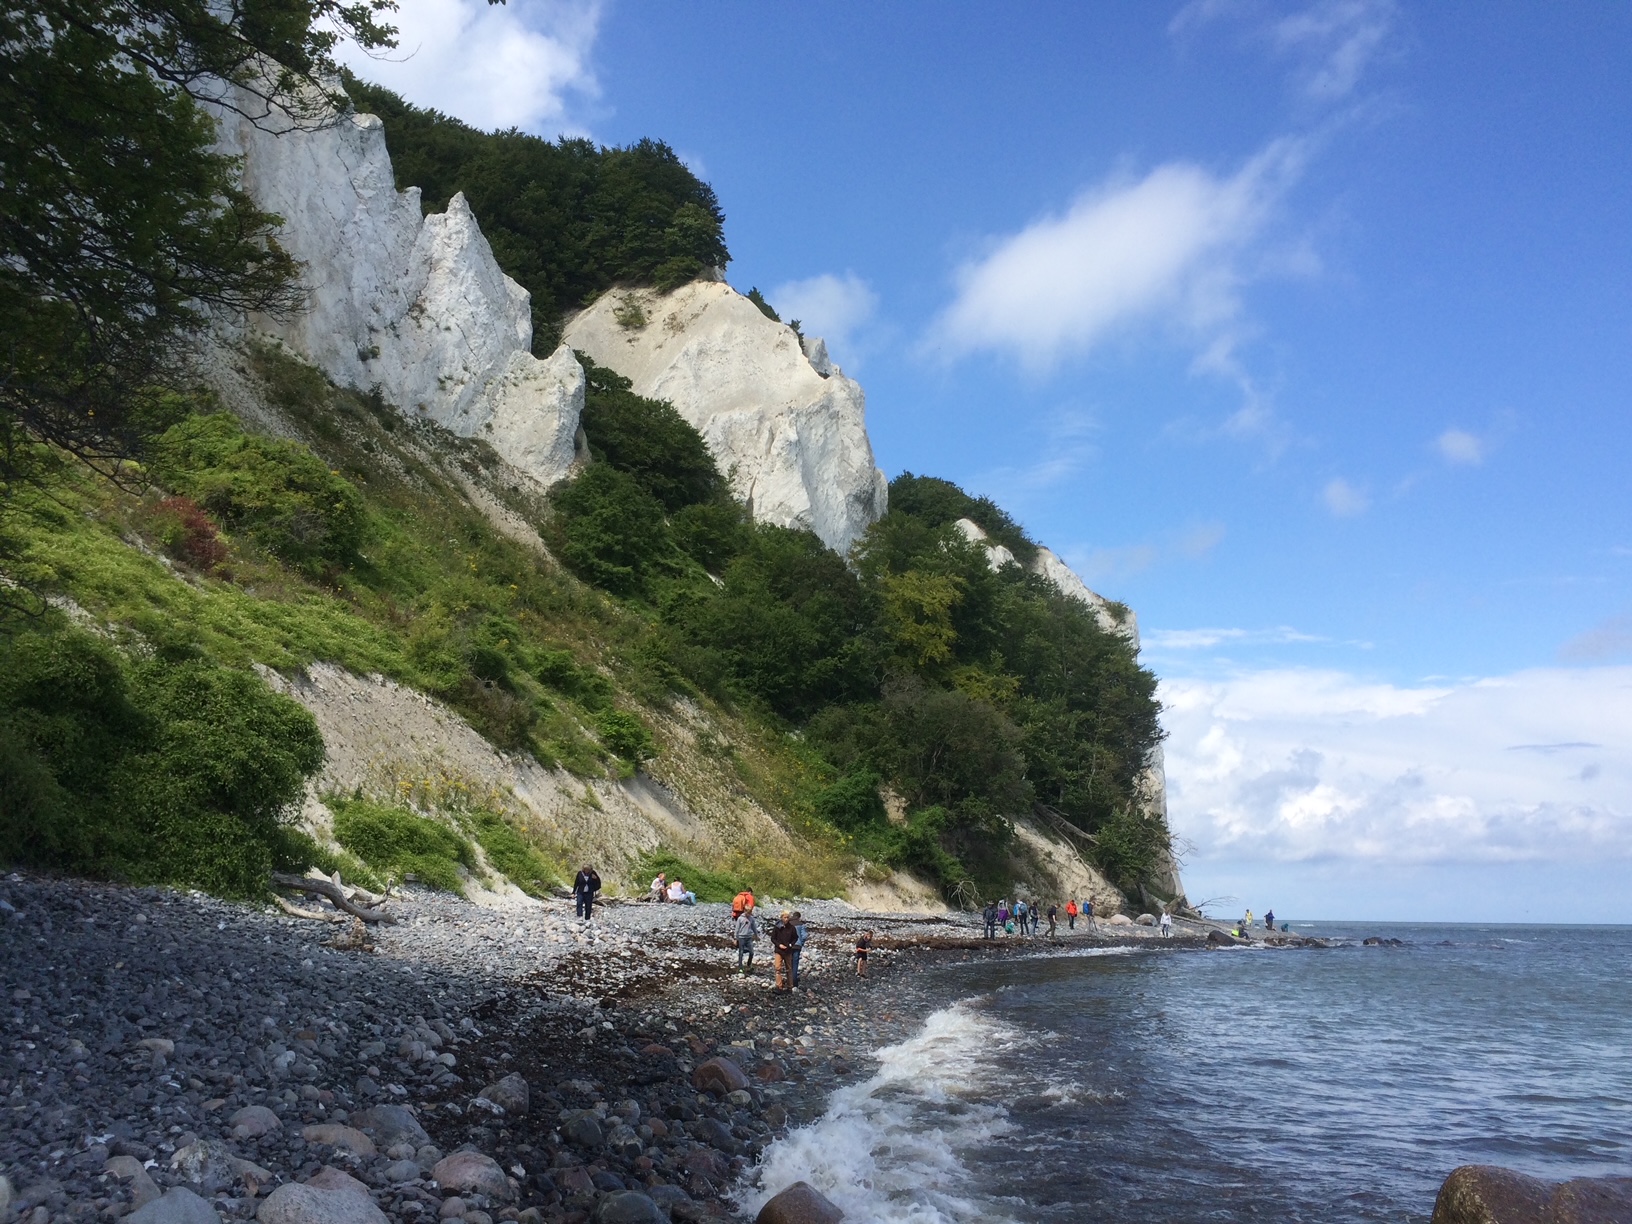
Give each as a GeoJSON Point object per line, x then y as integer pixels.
{"type": "Point", "coordinates": [1192, 543]}
{"type": "Point", "coordinates": [1167, 246]}
{"type": "Point", "coordinates": [1331, 42]}
{"type": "Point", "coordinates": [832, 307]}
{"type": "Point", "coordinates": [511, 65]}
{"type": "Point", "coordinates": [1302, 766]}
{"type": "Point", "coordinates": [1208, 639]}
{"type": "Point", "coordinates": [1344, 499]}
{"type": "Point", "coordinates": [1460, 447]}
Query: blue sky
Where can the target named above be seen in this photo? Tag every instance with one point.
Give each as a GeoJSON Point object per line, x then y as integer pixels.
{"type": "Point", "coordinates": [1305, 329]}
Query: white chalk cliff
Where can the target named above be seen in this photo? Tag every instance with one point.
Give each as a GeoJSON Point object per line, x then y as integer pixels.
{"type": "Point", "coordinates": [412, 305]}
{"type": "Point", "coordinates": [780, 418]}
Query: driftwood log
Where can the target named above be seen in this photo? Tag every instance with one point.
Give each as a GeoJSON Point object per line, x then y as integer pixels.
{"type": "Point", "coordinates": [323, 888]}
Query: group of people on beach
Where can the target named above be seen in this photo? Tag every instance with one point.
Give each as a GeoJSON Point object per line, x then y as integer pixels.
{"type": "Point", "coordinates": [1027, 917]}
{"type": "Point", "coordinates": [788, 935]}
{"type": "Point", "coordinates": [675, 890]}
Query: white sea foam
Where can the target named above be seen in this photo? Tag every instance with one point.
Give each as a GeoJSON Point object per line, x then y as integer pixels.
{"type": "Point", "coordinates": [887, 1150]}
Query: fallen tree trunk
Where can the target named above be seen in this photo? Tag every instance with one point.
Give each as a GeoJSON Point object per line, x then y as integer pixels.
{"type": "Point", "coordinates": [323, 888]}
{"type": "Point", "coordinates": [294, 911]}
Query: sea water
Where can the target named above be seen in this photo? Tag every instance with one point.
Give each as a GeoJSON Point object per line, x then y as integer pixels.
{"type": "Point", "coordinates": [1247, 1084]}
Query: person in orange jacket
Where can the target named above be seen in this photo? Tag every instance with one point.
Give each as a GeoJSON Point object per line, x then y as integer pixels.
{"type": "Point", "coordinates": [742, 903]}
{"type": "Point", "coordinates": [1071, 914]}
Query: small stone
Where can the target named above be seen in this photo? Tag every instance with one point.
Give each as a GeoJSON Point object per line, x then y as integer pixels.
{"type": "Point", "coordinates": [162, 1046]}
{"type": "Point", "coordinates": [628, 1207]}
{"type": "Point", "coordinates": [347, 1138]}
{"type": "Point", "coordinates": [478, 1217]}
{"type": "Point", "coordinates": [741, 1098]}
{"type": "Point", "coordinates": [474, 1172]}
{"type": "Point", "coordinates": [574, 1181]}
{"type": "Point", "coordinates": [297, 1204]}
{"type": "Point", "coordinates": [718, 1075]}
{"type": "Point", "coordinates": [452, 1208]}
{"type": "Point", "coordinates": [390, 1124]}
{"type": "Point", "coordinates": [399, 1171]}
{"type": "Point", "coordinates": [177, 1206]}
{"type": "Point", "coordinates": [582, 1130]}
{"type": "Point", "coordinates": [253, 1121]}
{"type": "Point", "coordinates": [800, 1203]}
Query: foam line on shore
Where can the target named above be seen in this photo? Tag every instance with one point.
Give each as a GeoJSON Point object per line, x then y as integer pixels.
{"type": "Point", "coordinates": [887, 1149]}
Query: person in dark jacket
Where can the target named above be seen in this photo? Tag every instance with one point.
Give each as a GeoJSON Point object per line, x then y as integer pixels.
{"type": "Point", "coordinates": [784, 935]}
{"type": "Point", "coordinates": [584, 887]}
{"type": "Point", "coordinates": [990, 918]}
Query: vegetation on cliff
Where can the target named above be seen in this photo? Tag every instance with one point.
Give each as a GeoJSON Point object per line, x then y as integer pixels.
{"type": "Point", "coordinates": [567, 219]}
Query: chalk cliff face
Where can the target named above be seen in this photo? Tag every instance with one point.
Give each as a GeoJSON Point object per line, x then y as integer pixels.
{"type": "Point", "coordinates": [1065, 580]}
{"type": "Point", "coordinates": [414, 306]}
{"type": "Point", "coordinates": [784, 421]}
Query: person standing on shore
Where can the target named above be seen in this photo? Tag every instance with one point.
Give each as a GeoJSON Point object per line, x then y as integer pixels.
{"type": "Point", "coordinates": [1167, 924]}
{"type": "Point", "coordinates": [990, 919]}
{"type": "Point", "coordinates": [864, 945]}
{"type": "Point", "coordinates": [1003, 915]}
{"type": "Point", "coordinates": [1051, 927]}
{"type": "Point", "coordinates": [1269, 920]}
{"type": "Point", "coordinates": [783, 937]}
{"type": "Point", "coordinates": [747, 931]}
{"type": "Point", "coordinates": [584, 887]}
{"type": "Point", "coordinates": [1020, 915]}
{"type": "Point", "coordinates": [1088, 913]}
{"type": "Point", "coordinates": [1246, 922]}
{"type": "Point", "coordinates": [803, 933]}
{"type": "Point", "coordinates": [1071, 914]}
{"type": "Point", "coordinates": [1036, 915]}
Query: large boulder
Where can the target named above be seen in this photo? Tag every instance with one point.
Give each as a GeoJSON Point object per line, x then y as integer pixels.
{"type": "Point", "coordinates": [212, 1165]}
{"type": "Point", "coordinates": [177, 1206]}
{"type": "Point", "coordinates": [783, 420]}
{"type": "Point", "coordinates": [1219, 939]}
{"type": "Point", "coordinates": [719, 1075]}
{"type": "Point", "coordinates": [800, 1203]}
{"type": "Point", "coordinates": [475, 1173]}
{"type": "Point", "coordinates": [1487, 1194]}
{"type": "Point", "coordinates": [309, 1204]}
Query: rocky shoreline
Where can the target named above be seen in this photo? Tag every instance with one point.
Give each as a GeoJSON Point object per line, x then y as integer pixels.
{"type": "Point", "coordinates": [479, 1064]}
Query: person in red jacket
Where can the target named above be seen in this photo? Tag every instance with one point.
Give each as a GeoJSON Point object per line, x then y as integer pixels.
{"type": "Point", "coordinates": [742, 903]}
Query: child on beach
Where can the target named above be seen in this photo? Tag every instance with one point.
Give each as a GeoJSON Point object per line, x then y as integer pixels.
{"type": "Point", "coordinates": [864, 944]}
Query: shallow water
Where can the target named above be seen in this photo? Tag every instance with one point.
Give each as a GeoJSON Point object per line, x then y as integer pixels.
{"type": "Point", "coordinates": [1295, 1085]}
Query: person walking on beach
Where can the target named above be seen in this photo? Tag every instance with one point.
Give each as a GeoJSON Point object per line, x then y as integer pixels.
{"type": "Point", "coordinates": [803, 933]}
{"type": "Point", "coordinates": [747, 931]}
{"type": "Point", "coordinates": [1036, 915]}
{"type": "Point", "coordinates": [1051, 927]}
{"type": "Point", "coordinates": [584, 887]}
{"type": "Point", "coordinates": [783, 937]}
{"type": "Point", "coordinates": [742, 903]}
{"type": "Point", "coordinates": [990, 919]}
{"type": "Point", "coordinates": [1269, 920]}
{"type": "Point", "coordinates": [864, 945]}
{"type": "Point", "coordinates": [1071, 914]}
{"type": "Point", "coordinates": [1088, 913]}
{"type": "Point", "coordinates": [1020, 915]}
{"type": "Point", "coordinates": [1167, 924]}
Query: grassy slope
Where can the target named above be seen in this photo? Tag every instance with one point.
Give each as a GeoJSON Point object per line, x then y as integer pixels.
{"type": "Point", "coordinates": [437, 594]}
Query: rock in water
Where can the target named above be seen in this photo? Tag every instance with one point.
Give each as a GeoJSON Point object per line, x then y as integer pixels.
{"type": "Point", "coordinates": [800, 1203]}
{"type": "Point", "coordinates": [510, 1094]}
{"type": "Point", "coordinates": [719, 1075]}
{"type": "Point", "coordinates": [296, 1204]}
{"type": "Point", "coordinates": [474, 1172]}
{"type": "Point", "coordinates": [789, 425]}
{"type": "Point", "coordinates": [177, 1206]}
{"type": "Point", "coordinates": [1487, 1194]}
{"type": "Point", "coordinates": [628, 1207]}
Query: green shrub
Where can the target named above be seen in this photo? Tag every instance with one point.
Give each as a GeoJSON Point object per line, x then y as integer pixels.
{"type": "Point", "coordinates": [625, 735]}
{"type": "Point", "coordinates": [648, 440]}
{"type": "Point", "coordinates": [852, 803]}
{"type": "Point", "coordinates": [277, 493]}
{"type": "Point", "coordinates": [509, 851]}
{"type": "Point", "coordinates": [765, 308]}
{"type": "Point", "coordinates": [708, 885]}
{"type": "Point", "coordinates": [611, 531]}
{"type": "Point", "coordinates": [399, 842]}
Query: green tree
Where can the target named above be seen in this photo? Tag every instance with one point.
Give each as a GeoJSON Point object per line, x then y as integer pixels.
{"type": "Point", "coordinates": [121, 231]}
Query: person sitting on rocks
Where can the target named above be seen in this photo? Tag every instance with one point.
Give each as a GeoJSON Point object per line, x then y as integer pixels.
{"type": "Point", "coordinates": [677, 892]}
{"type": "Point", "coordinates": [783, 937]}
{"type": "Point", "coordinates": [660, 887]}
{"type": "Point", "coordinates": [584, 887]}
{"type": "Point", "coordinates": [747, 931]}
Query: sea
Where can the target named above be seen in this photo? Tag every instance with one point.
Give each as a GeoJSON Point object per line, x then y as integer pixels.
{"type": "Point", "coordinates": [1154, 1086]}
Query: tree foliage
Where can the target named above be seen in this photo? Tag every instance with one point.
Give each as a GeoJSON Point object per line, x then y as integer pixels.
{"type": "Point", "coordinates": [121, 231]}
{"type": "Point", "coordinates": [567, 219]}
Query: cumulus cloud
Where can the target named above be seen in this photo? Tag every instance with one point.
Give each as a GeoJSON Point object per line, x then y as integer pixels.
{"type": "Point", "coordinates": [1294, 765]}
{"type": "Point", "coordinates": [833, 307]}
{"type": "Point", "coordinates": [1460, 447]}
{"type": "Point", "coordinates": [1156, 640]}
{"type": "Point", "coordinates": [1167, 245]}
{"type": "Point", "coordinates": [1344, 499]}
{"type": "Point", "coordinates": [494, 66]}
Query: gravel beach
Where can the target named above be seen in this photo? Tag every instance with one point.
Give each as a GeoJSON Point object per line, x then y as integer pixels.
{"type": "Point", "coordinates": [180, 1059]}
